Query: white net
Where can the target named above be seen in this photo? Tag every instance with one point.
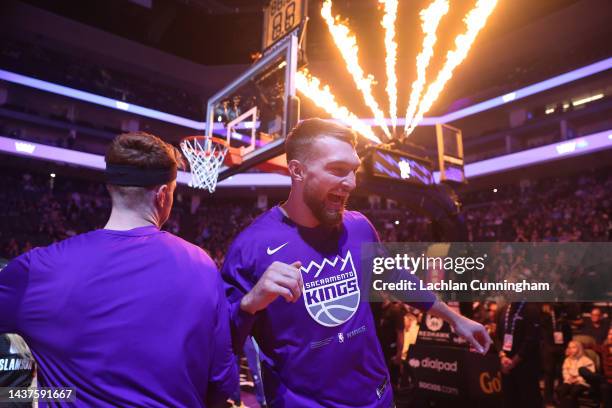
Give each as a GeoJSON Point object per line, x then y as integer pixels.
{"type": "Point", "coordinates": [205, 156]}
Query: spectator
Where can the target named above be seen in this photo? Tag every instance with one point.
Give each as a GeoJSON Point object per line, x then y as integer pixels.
{"type": "Point", "coordinates": [596, 326]}
{"type": "Point", "coordinates": [491, 318]}
{"type": "Point", "coordinates": [556, 333]}
{"type": "Point", "coordinates": [518, 339]}
{"type": "Point", "coordinates": [573, 383]}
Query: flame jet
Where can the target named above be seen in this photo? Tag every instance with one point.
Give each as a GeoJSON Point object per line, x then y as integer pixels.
{"type": "Point", "coordinates": [311, 87]}
{"type": "Point", "coordinates": [475, 20]}
{"type": "Point", "coordinates": [430, 18]}
{"type": "Point", "coordinates": [347, 45]}
{"type": "Point", "coordinates": [388, 23]}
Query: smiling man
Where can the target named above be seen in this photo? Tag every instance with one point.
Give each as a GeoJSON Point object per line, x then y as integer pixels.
{"type": "Point", "coordinates": [293, 281]}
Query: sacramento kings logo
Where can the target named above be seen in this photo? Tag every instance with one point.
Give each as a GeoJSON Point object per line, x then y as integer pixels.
{"type": "Point", "coordinates": [331, 290]}
{"type": "Point", "coordinates": [433, 323]}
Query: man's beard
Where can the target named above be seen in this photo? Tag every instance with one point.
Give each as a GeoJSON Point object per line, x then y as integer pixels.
{"type": "Point", "coordinates": [327, 217]}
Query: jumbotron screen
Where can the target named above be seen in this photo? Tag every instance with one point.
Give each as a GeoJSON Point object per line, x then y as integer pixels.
{"type": "Point", "coordinates": [399, 166]}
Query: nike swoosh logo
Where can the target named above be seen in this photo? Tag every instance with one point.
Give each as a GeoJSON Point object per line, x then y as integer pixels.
{"type": "Point", "coordinates": [275, 250]}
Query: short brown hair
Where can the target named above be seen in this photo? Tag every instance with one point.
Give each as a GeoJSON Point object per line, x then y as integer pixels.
{"type": "Point", "coordinates": [301, 137]}
{"type": "Point", "coordinates": [143, 150]}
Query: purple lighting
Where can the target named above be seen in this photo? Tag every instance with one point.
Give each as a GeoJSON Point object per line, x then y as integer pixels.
{"type": "Point", "coordinates": [44, 152]}
{"type": "Point", "coordinates": [575, 147]}
{"type": "Point", "coordinates": [530, 90]}
{"type": "Point", "coordinates": [533, 89]}
{"type": "Point", "coordinates": [556, 151]}
{"type": "Point", "coordinates": [553, 82]}
{"type": "Point", "coordinates": [583, 145]}
{"type": "Point", "coordinates": [94, 161]}
{"type": "Point", "coordinates": [98, 100]}
{"type": "Point", "coordinates": [111, 103]}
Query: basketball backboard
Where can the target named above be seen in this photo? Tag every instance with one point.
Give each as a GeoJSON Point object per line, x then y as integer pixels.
{"type": "Point", "coordinates": [256, 110]}
{"type": "Point", "coordinates": [450, 153]}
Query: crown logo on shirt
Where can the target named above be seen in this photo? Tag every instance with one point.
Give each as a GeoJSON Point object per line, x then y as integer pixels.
{"type": "Point", "coordinates": [344, 261]}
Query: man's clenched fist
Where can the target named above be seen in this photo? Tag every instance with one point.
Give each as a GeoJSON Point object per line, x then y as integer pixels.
{"type": "Point", "coordinates": [279, 279]}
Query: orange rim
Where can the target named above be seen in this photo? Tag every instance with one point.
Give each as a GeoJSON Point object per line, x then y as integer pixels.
{"type": "Point", "coordinates": [233, 151]}
{"type": "Point", "coordinates": [215, 139]}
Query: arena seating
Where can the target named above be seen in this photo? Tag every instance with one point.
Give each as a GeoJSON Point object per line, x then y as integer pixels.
{"type": "Point", "coordinates": [564, 210]}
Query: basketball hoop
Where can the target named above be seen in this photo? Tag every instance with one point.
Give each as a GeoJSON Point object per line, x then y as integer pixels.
{"type": "Point", "coordinates": [205, 155]}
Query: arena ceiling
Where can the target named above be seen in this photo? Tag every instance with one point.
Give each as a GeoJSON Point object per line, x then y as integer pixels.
{"type": "Point", "coordinates": [232, 29]}
{"type": "Point", "coordinates": [524, 42]}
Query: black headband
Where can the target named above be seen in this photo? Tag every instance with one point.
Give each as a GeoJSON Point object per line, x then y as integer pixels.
{"type": "Point", "coordinates": [124, 175]}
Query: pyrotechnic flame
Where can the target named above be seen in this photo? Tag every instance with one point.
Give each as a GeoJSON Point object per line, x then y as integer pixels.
{"type": "Point", "coordinates": [347, 45]}
{"type": "Point", "coordinates": [430, 18]}
{"type": "Point", "coordinates": [311, 87]}
{"type": "Point", "coordinates": [388, 23]}
{"type": "Point", "coordinates": [475, 21]}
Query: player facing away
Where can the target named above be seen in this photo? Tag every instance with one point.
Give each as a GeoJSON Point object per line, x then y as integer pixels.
{"type": "Point", "coordinates": [318, 346]}
{"type": "Point", "coordinates": [128, 315]}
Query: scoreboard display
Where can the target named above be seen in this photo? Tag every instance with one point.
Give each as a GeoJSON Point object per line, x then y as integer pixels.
{"type": "Point", "coordinates": [280, 18]}
{"type": "Point", "coordinates": [397, 165]}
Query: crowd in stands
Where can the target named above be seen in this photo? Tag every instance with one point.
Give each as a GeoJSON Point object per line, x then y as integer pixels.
{"type": "Point", "coordinates": [570, 209]}
{"type": "Point", "coordinates": [575, 350]}
{"type": "Point", "coordinates": [553, 210]}
{"type": "Point", "coordinates": [218, 225]}
{"type": "Point", "coordinates": [37, 210]}
{"type": "Point", "coordinates": [84, 74]}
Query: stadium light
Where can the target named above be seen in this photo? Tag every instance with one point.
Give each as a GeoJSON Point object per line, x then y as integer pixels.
{"type": "Point", "coordinates": [582, 101]}
{"type": "Point", "coordinates": [94, 161]}
{"type": "Point", "coordinates": [533, 89]}
{"type": "Point", "coordinates": [581, 146]}
{"type": "Point", "coordinates": [577, 147]}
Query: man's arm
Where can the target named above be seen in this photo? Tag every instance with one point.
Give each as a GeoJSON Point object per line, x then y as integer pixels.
{"type": "Point", "coordinates": [248, 295]}
{"type": "Point", "coordinates": [426, 301]}
{"type": "Point", "coordinates": [237, 275]}
{"type": "Point", "coordinates": [473, 332]}
{"type": "Point", "coordinates": [278, 280]}
{"type": "Point", "coordinates": [223, 380]}
{"type": "Point", "coordinates": [13, 283]}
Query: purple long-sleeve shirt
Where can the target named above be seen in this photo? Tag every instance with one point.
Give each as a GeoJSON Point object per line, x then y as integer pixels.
{"type": "Point", "coordinates": [128, 318]}
{"type": "Point", "coordinates": [321, 351]}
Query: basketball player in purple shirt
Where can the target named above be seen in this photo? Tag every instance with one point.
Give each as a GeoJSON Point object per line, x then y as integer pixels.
{"type": "Point", "coordinates": [128, 315]}
{"type": "Point", "coordinates": [318, 346]}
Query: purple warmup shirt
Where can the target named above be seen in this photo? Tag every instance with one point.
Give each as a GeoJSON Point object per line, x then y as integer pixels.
{"type": "Point", "coordinates": [128, 318]}
{"type": "Point", "coordinates": [321, 351]}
